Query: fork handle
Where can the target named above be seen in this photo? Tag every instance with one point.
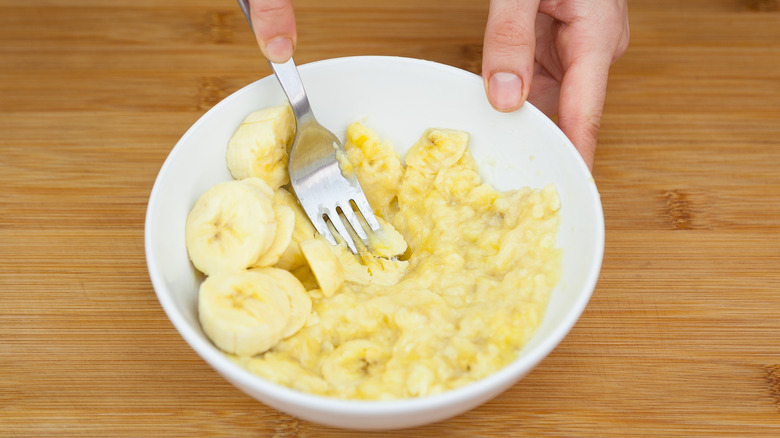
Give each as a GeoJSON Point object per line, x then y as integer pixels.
{"type": "Point", "coordinates": [289, 79]}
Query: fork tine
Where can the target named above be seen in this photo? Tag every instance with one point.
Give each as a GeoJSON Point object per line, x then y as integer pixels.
{"type": "Point", "coordinates": [335, 220]}
{"type": "Point", "coordinates": [353, 220]}
{"type": "Point", "coordinates": [365, 209]}
{"type": "Point", "coordinates": [322, 227]}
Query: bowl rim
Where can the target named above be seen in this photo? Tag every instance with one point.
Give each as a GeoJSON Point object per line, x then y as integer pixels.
{"type": "Point", "coordinates": [506, 376]}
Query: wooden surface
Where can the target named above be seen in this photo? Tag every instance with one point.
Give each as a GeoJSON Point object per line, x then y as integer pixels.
{"type": "Point", "coordinates": [681, 338]}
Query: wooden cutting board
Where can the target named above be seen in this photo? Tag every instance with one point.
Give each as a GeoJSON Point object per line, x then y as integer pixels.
{"type": "Point", "coordinates": [681, 338]}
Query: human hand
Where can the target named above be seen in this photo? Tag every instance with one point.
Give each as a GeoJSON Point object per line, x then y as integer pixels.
{"type": "Point", "coordinates": [555, 54]}
{"type": "Point", "coordinates": [273, 22]}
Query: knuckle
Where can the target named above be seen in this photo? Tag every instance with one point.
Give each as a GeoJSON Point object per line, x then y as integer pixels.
{"type": "Point", "coordinates": [509, 35]}
{"type": "Point", "coordinates": [624, 31]}
{"type": "Point", "coordinates": [585, 127]}
{"type": "Point", "coordinates": [268, 9]}
{"type": "Point", "coordinates": [622, 44]}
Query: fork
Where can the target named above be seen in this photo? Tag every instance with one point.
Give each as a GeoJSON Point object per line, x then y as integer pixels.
{"type": "Point", "coordinates": [326, 191]}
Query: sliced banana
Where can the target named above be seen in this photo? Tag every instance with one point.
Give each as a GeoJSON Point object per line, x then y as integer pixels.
{"type": "Point", "coordinates": [260, 185]}
{"type": "Point", "coordinates": [285, 225]}
{"type": "Point", "coordinates": [300, 302]}
{"type": "Point", "coordinates": [387, 272]}
{"type": "Point", "coordinates": [377, 262]}
{"type": "Point", "coordinates": [353, 266]}
{"type": "Point", "coordinates": [292, 258]}
{"type": "Point", "coordinates": [387, 242]}
{"type": "Point", "coordinates": [352, 362]}
{"type": "Point", "coordinates": [366, 268]}
{"type": "Point", "coordinates": [260, 144]}
{"type": "Point", "coordinates": [306, 277]}
{"type": "Point", "coordinates": [242, 312]}
{"type": "Point", "coordinates": [229, 227]}
{"type": "Point", "coordinates": [437, 149]}
{"type": "Point", "coordinates": [324, 264]}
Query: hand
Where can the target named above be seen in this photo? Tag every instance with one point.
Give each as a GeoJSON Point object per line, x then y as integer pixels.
{"type": "Point", "coordinates": [555, 54]}
{"type": "Point", "coordinates": [274, 24]}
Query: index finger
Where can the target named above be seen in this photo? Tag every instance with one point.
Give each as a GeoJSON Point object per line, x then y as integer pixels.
{"type": "Point", "coordinates": [581, 102]}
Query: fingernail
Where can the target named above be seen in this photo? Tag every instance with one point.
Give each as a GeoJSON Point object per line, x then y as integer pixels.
{"type": "Point", "coordinates": [279, 49]}
{"type": "Point", "coordinates": [505, 91]}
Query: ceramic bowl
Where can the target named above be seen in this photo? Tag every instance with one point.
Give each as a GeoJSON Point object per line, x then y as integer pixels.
{"type": "Point", "coordinates": [399, 98]}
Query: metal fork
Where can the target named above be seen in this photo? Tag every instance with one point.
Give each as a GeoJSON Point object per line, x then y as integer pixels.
{"type": "Point", "coordinates": [326, 191]}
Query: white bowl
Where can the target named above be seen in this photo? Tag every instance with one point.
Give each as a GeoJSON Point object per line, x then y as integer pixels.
{"type": "Point", "coordinates": [399, 98]}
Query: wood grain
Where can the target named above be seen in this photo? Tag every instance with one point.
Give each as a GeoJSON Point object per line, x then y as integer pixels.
{"type": "Point", "coordinates": [681, 337]}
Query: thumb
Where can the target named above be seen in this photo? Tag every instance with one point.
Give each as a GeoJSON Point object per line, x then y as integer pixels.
{"type": "Point", "coordinates": [508, 52]}
{"type": "Point", "coordinates": [273, 22]}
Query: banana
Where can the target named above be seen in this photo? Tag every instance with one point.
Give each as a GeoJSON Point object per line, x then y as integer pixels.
{"type": "Point", "coordinates": [387, 242]}
{"type": "Point", "coordinates": [324, 264]}
{"type": "Point", "coordinates": [259, 184]}
{"type": "Point", "coordinates": [306, 277]}
{"type": "Point", "coordinates": [243, 312]}
{"type": "Point", "coordinates": [352, 362]}
{"type": "Point", "coordinates": [300, 302]}
{"type": "Point", "coordinates": [260, 144]}
{"type": "Point", "coordinates": [386, 272]}
{"type": "Point", "coordinates": [292, 259]}
{"type": "Point", "coordinates": [353, 266]}
{"type": "Point", "coordinates": [377, 164]}
{"type": "Point", "coordinates": [230, 226]}
{"type": "Point", "coordinates": [285, 225]}
{"type": "Point", "coordinates": [366, 268]}
{"type": "Point", "coordinates": [377, 262]}
{"type": "Point", "coordinates": [283, 370]}
{"type": "Point", "coordinates": [437, 149]}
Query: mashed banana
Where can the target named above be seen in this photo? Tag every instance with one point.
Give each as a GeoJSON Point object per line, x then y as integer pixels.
{"type": "Point", "coordinates": [459, 303]}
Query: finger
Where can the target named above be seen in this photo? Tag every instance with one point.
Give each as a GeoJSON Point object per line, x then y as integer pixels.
{"type": "Point", "coordinates": [546, 86]}
{"type": "Point", "coordinates": [508, 52]}
{"type": "Point", "coordinates": [581, 102]}
{"type": "Point", "coordinates": [273, 22]}
{"type": "Point", "coordinates": [545, 93]}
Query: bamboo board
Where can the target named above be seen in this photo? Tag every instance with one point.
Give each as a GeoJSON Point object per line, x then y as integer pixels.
{"type": "Point", "coordinates": [681, 338]}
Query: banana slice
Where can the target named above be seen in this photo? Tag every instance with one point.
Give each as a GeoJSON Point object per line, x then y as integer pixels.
{"type": "Point", "coordinates": [352, 362]}
{"type": "Point", "coordinates": [366, 268]}
{"type": "Point", "coordinates": [229, 227]}
{"type": "Point", "coordinates": [260, 144]}
{"type": "Point", "coordinates": [387, 272]}
{"type": "Point", "coordinates": [260, 185]}
{"type": "Point", "coordinates": [292, 259]}
{"type": "Point", "coordinates": [300, 302]}
{"type": "Point", "coordinates": [437, 149]}
{"type": "Point", "coordinates": [376, 263]}
{"type": "Point", "coordinates": [324, 264]}
{"type": "Point", "coordinates": [285, 225]}
{"type": "Point", "coordinates": [306, 277]}
{"type": "Point", "coordinates": [387, 242]}
{"type": "Point", "coordinates": [242, 312]}
{"type": "Point", "coordinates": [353, 266]}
